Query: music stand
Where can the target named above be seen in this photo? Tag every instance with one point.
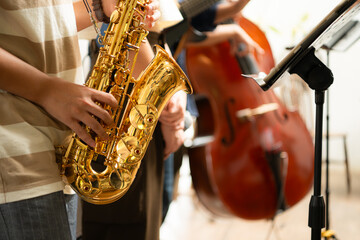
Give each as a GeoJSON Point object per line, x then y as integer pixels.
{"type": "Point", "coordinates": [302, 61]}
{"type": "Point", "coordinates": [341, 41]}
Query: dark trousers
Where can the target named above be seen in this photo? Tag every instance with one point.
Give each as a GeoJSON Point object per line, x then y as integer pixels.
{"type": "Point", "coordinates": [39, 218]}
{"type": "Point", "coordinates": [137, 215]}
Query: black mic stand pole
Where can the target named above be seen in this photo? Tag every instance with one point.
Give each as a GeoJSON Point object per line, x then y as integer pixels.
{"type": "Point", "coordinates": [329, 234]}
{"type": "Point", "coordinates": [319, 78]}
{"type": "Point", "coordinates": [327, 192]}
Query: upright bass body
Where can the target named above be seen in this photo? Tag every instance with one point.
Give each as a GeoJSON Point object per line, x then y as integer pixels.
{"type": "Point", "coordinates": [103, 174]}
{"type": "Point", "coordinates": [260, 157]}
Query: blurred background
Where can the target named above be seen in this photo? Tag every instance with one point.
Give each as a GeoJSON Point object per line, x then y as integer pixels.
{"type": "Point", "coordinates": [285, 23]}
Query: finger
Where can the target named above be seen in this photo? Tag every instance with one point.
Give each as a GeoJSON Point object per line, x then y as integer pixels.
{"type": "Point", "coordinates": [171, 121]}
{"type": "Point", "coordinates": [156, 15]}
{"type": "Point", "coordinates": [104, 97]}
{"type": "Point", "coordinates": [171, 118]}
{"type": "Point", "coordinates": [175, 125]}
{"type": "Point", "coordinates": [91, 122]}
{"type": "Point", "coordinates": [179, 113]}
{"type": "Point", "coordinates": [151, 19]}
{"type": "Point", "coordinates": [260, 50]}
{"type": "Point", "coordinates": [152, 6]}
{"type": "Point", "coordinates": [243, 52]}
{"type": "Point", "coordinates": [170, 105]}
{"type": "Point", "coordinates": [101, 113]}
{"type": "Point", "coordinates": [87, 107]}
{"type": "Point", "coordinates": [81, 132]}
{"type": "Point", "coordinates": [234, 47]}
{"type": "Point", "coordinates": [149, 9]}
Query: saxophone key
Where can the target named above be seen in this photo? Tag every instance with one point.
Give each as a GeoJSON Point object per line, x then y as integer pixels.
{"type": "Point", "coordinates": [129, 150]}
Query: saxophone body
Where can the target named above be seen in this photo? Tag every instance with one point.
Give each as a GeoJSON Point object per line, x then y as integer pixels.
{"type": "Point", "coordinates": [103, 174]}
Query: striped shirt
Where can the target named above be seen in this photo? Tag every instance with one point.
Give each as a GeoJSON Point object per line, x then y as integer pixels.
{"type": "Point", "coordinates": [42, 33]}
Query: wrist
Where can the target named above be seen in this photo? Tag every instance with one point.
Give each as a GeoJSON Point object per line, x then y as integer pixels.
{"type": "Point", "coordinates": [43, 90]}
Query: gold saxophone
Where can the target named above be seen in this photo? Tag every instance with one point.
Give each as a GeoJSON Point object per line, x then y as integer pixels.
{"type": "Point", "coordinates": [103, 174]}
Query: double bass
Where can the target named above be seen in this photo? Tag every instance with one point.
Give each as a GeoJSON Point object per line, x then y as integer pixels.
{"type": "Point", "coordinates": [252, 157]}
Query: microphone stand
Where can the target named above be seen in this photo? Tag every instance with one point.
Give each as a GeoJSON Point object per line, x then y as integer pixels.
{"type": "Point", "coordinates": [328, 233]}
{"type": "Point", "coordinates": [319, 78]}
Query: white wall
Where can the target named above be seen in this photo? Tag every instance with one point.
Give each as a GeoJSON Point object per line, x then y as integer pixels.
{"type": "Point", "coordinates": [292, 20]}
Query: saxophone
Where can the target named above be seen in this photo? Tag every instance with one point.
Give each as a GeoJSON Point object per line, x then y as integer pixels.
{"type": "Point", "coordinates": [103, 174]}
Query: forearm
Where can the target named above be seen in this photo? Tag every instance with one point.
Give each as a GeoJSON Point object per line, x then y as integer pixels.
{"type": "Point", "coordinates": [70, 103]}
{"type": "Point", "coordinates": [144, 57]}
{"type": "Point", "coordinates": [20, 78]}
{"type": "Point", "coordinates": [82, 16]}
{"type": "Point", "coordinates": [220, 34]}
